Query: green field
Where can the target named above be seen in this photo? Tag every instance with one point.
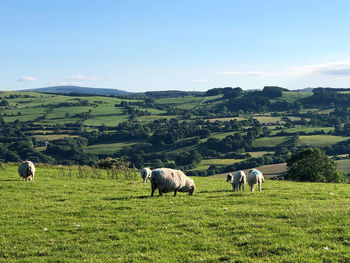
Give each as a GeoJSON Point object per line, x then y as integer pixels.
{"type": "Point", "coordinates": [204, 164]}
{"type": "Point", "coordinates": [300, 128]}
{"type": "Point", "coordinates": [67, 219]}
{"type": "Point", "coordinates": [291, 96]}
{"type": "Point", "coordinates": [320, 140]}
{"type": "Point", "coordinates": [107, 148]}
{"type": "Point", "coordinates": [270, 141]}
{"type": "Point", "coordinates": [258, 154]}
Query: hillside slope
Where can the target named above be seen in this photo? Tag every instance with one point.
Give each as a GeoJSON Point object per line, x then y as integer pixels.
{"type": "Point", "coordinates": [81, 90]}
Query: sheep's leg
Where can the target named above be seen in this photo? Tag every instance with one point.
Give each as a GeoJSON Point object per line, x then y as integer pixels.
{"type": "Point", "coordinates": [242, 187]}
{"type": "Point", "coordinates": [259, 187]}
{"type": "Point", "coordinates": [153, 189]}
{"type": "Point", "coordinates": [251, 188]}
{"type": "Point", "coordinates": [175, 193]}
{"type": "Point", "coordinates": [160, 192]}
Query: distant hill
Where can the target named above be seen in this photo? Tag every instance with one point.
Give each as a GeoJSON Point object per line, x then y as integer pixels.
{"type": "Point", "coordinates": [304, 90]}
{"type": "Point", "coordinates": [173, 93]}
{"type": "Point", "coordinates": [81, 90]}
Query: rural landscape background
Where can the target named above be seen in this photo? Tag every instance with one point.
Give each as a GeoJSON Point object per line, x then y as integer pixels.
{"type": "Point", "coordinates": [203, 133]}
{"type": "Point", "coordinates": [108, 214]}
{"type": "Point", "coordinates": [93, 91]}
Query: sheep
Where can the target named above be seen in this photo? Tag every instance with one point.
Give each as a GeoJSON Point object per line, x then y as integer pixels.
{"type": "Point", "coordinates": [255, 177]}
{"type": "Point", "coordinates": [146, 174]}
{"type": "Point", "coordinates": [167, 180]}
{"type": "Point", "coordinates": [27, 170]}
{"type": "Point", "coordinates": [237, 181]}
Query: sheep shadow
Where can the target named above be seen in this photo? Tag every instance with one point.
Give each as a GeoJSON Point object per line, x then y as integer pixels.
{"type": "Point", "coordinates": [9, 180]}
{"type": "Point", "coordinates": [125, 198]}
{"type": "Point", "coordinates": [215, 191]}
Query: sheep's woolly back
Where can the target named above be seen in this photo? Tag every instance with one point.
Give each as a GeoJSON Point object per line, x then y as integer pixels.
{"type": "Point", "coordinates": [26, 170]}
{"type": "Point", "coordinates": [240, 178]}
{"type": "Point", "coordinates": [146, 174]}
{"type": "Point", "coordinates": [167, 180]}
{"type": "Point", "coordinates": [255, 177]}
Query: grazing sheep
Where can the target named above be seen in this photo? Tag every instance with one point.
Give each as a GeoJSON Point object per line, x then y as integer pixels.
{"type": "Point", "coordinates": [255, 177]}
{"type": "Point", "coordinates": [167, 180]}
{"type": "Point", "coordinates": [237, 181]}
{"type": "Point", "coordinates": [26, 170]}
{"type": "Point", "coordinates": [146, 174]}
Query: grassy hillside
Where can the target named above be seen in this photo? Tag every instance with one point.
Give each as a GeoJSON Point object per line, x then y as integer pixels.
{"type": "Point", "coordinates": [61, 218]}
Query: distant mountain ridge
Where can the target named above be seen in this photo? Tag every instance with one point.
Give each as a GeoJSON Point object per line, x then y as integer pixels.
{"type": "Point", "coordinates": [80, 90]}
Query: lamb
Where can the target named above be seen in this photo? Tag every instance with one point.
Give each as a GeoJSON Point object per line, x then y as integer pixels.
{"type": "Point", "coordinates": [255, 177]}
{"type": "Point", "coordinates": [27, 170]}
{"type": "Point", "coordinates": [237, 181]}
{"type": "Point", "coordinates": [146, 174]}
{"type": "Point", "coordinates": [167, 180]}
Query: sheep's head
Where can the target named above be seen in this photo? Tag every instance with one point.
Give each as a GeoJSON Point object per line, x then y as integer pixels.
{"type": "Point", "coordinates": [145, 174]}
{"type": "Point", "coordinates": [192, 189]}
{"type": "Point", "coordinates": [229, 178]}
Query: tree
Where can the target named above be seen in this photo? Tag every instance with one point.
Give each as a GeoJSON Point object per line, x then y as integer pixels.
{"type": "Point", "coordinates": [313, 165]}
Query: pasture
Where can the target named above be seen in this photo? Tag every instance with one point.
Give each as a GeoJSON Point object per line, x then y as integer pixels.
{"type": "Point", "coordinates": [320, 140]}
{"type": "Point", "coordinates": [60, 218]}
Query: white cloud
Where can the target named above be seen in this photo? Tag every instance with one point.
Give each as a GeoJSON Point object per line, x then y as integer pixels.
{"type": "Point", "coordinates": [81, 77]}
{"type": "Point", "coordinates": [26, 79]}
{"type": "Point", "coordinates": [338, 69]}
{"type": "Point", "coordinates": [200, 81]}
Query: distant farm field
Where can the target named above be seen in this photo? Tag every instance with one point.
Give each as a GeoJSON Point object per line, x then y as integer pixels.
{"type": "Point", "coordinates": [205, 164]}
{"type": "Point", "coordinates": [320, 140]}
{"type": "Point", "coordinates": [270, 141]}
{"type": "Point", "coordinates": [107, 148]}
{"type": "Point", "coordinates": [70, 219]}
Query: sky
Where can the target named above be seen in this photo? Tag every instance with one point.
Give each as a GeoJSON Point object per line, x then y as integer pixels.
{"type": "Point", "coordinates": [192, 45]}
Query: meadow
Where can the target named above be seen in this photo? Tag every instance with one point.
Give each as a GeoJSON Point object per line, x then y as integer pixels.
{"type": "Point", "coordinates": [61, 218]}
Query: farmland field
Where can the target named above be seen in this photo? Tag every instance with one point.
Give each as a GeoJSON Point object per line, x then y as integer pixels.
{"type": "Point", "coordinates": [320, 140]}
{"type": "Point", "coordinates": [204, 164]}
{"type": "Point", "coordinates": [270, 141]}
{"type": "Point", "coordinates": [107, 148]}
{"type": "Point", "coordinates": [105, 220]}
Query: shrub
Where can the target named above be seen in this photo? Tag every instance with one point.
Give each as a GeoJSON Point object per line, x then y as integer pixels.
{"type": "Point", "coordinates": [313, 165]}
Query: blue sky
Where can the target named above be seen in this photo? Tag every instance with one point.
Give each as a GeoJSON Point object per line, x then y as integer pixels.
{"type": "Point", "coordinates": [180, 44]}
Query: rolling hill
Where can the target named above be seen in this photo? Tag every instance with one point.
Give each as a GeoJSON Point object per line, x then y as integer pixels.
{"type": "Point", "coordinates": [80, 90]}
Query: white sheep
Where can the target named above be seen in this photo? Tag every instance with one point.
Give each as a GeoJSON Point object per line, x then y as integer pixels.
{"type": "Point", "coordinates": [255, 177]}
{"type": "Point", "coordinates": [237, 181]}
{"type": "Point", "coordinates": [146, 174]}
{"type": "Point", "coordinates": [167, 180]}
{"type": "Point", "coordinates": [27, 170]}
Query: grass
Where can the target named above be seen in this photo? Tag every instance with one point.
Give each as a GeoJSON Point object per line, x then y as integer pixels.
{"type": "Point", "coordinates": [268, 119]}
{"type": "Point", "coordinates": [204, 164]}
{"type": "Point", "coordinates": [270, 141]}
{"type": "Point", "coordinates": [108, 148]}
{"type": "Point", "coordinates": [320, 140]}
{"type": "Point", "coordinates": [300, 128]}
{"type": "Point", "coordinates": [100, 220]}
{"type": "Point", "coordinates": [51, 137]}
{"type": "Point", "coordinates": [109, 121]}
{"type": "Point", "coordinates": [227, 119]}
{"type": "Point", "coordinates": [344, 165]}
{"type": "Point", "coordinates": [258, 154]}
{"type": "Point", "coordinates": [292, 96]}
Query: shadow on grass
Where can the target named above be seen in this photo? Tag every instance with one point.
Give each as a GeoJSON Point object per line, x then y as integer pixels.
{"type": "Point", "coordinates": [124, 198]}
{"type": "Point", "coordinates": [9, 180]}
{"type": "Point", "coordinates": [215, 191]}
